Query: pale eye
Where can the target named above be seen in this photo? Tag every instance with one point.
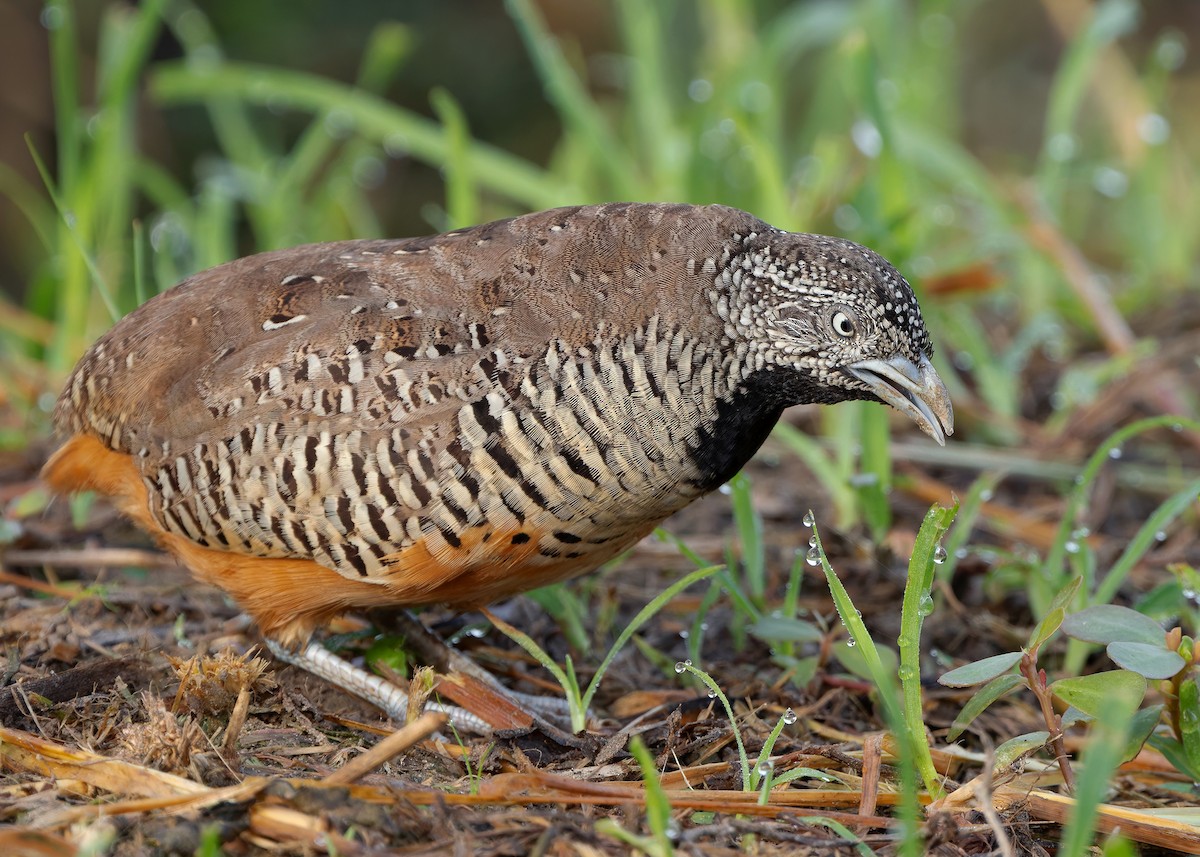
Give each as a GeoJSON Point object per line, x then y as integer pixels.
{"type": "Point", "coordinates": [842, 323]}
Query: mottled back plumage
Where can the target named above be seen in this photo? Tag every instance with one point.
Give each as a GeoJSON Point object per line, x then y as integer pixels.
{"type": "Point", "coordinates": [465, 416]}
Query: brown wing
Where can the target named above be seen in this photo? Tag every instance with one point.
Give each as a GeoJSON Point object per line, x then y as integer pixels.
{"type": "Point", "coordinates": [384, 406]}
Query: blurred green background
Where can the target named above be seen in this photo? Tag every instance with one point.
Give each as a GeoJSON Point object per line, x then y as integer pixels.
{"type": "Point", "coordinates": [1030, 165]}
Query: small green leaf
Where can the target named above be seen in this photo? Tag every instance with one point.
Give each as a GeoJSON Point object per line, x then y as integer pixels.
{"type": "Point", "coordinates": [1173, 751]}
{"type": "Point", "coordinates": [389, 650]}
{"type": "Point", "coordinates": [1189, 721]}
{"type": "Point", "coordinates": [1097, 694]}
{"type": "Point", "coordinates": [979, 702]}
{"type": "Point", "coordinates": [977, 672]}
{"type": "Point", "coordinates": [1140, 729]}
{"type": "Point", "coordinates": [785, 629]}
{"type": "Point", "coordinates": [1054, 615]}
{"type": "Point", "coordinates": [1063, 597]}
{"type": "Point", "coordinates": [1015, 748]}
{"type": "Point", "coordinates": [1146, 659]}
{"type": "Point", "coordinates": [1110, 623]}
{"type": "Point", "coordinates": [1073, 715]}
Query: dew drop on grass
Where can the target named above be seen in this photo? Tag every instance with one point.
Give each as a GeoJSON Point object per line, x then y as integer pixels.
{"type": "Point", "coordinates": [789, 717]}
{"type": "Point", "coordinates": [712, 694]}
{"type": "Point", "coordinates": [986, 494]}
{"type": "Point", "coordinates": [1160, 536]}
{"type": "Point", "coordinates": [684, 634]}
{"type": "Point", "coordinates": [809, 520]}
{"type": "Point", "coordinates": [905, 673]}
{"type": "Point", "coordinates": [926, 605]}
{"type": "Point", "coordinates": [851, 643]}
{"type": "Point", "coordinates": [765, 767]}
{"type": "Point", "coordinates": [1081, 533]}
{"type": "Point", "coordinates": [1115, 453]}
{"type": "Point", "coordinates": [1072, 546]}
{"type": "Point", "coordinates": [726, 489]}
{"type": "Point", "coordinates": [52, 17]}
{"type": "Point", "coordinates": [813, 557]}
{"type": "Point", "coordinates": [939, 555]}
{"type": "Point", "coordinates": [680, 666]}
{"type": "Point", "coordinates": [812, 541]}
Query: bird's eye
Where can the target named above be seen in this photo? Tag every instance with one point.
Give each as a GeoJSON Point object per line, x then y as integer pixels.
{"type": "Point", "coordinates": [842, 323]}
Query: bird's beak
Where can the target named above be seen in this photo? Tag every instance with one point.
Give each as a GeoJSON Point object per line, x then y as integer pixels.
{"type": "Point", "coordinates": [914, 389]}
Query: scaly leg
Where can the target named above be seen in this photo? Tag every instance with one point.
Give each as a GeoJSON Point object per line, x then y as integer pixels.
{"type": "Point", "coordinates": [434, 651]}
{"type": "Point", "coordinates": [324, 664]}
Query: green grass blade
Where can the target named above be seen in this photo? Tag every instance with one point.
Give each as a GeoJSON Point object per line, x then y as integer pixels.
{"type": "Point", "coordinates": [393, 127]}
{"type": "Point", "coordinates": [660, 601]}
{"type": "Point", "coordinates": [916, 606]}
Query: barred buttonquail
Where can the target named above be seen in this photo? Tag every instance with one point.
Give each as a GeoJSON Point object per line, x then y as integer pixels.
{"type": "Point", "coordinates": [458, 418]}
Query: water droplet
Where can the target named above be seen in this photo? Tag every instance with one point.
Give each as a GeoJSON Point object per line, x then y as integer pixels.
{"type": "Point", "coordinates": [755, 96]}
{"type": "Point", "coordinates": [1188, 593]}
{"type": "Point", "coordinates": [703, 626]}
{"type": "Point", "coordinates": [906, 673]}
{"type": "Point", "coordinates": [684, 634]}
{"type": "Point", "coordinates": [726, 489]}
{"type": "Point", "coordinates": [52, 17]}
{"type": "Point", "coordinates": [1072, 546]}
{"type": "Point", "coordinates": [851, 643]}
{"type": "Point", "coordinates": [1160, 536]}
{"type": "Point", "coordinates": [712, 694]}
{"type": "Point", "coordinates": [1110, 182]}
{"type": "Point", "coordinates": [1062, 147]}
{"type": "Point", "coordinates": [673, 830]}
{"type": "Point", "coordinates": [700, 90]}
{"type": "Point", "coordinates": [338, 124]}
{"type": "Point", "coordinates": [765, 767]}
{"type": "Point", "coordinates": [942, 214]}
{"type": "Point", "coordinates": [1081, 533]}
{"type": "Point", "coordinates": [867, 138]}
{"type": "Point", "coordinates": [810, 520]}
{"type": "Point", "coordinates": [1153, 128]}
{"type": "Point", "coordinates": [986, 494]}
{"type": "Point", "coordinates": [1115, 453]}
{"type": "Point", "coordinates": [1177, 427]}
{"type": "Point", "coordinates": [1171, 50]}
{"type": "Point", "coordinates": [813, 557]}
{"type": "Point", "coordinates": [369, 172]}
{"type": "Point", "coordinates": [925, 607]}
{"type": "Point", "coordinates": [847, 218]}
{"type": "Point", "coordinates": [789, 717]}
{"type": "Point", "coordinates": [680, 666]}
{"type": "Point", "coordinates": [812, 540]}
{"type": "Point", "coordinates": [396, 145]}
{"type": "Point", "coordinates": [939, 555]}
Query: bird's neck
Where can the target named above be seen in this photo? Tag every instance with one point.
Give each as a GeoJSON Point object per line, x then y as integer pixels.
{"type": "Point", "coordinates": [744, 419]}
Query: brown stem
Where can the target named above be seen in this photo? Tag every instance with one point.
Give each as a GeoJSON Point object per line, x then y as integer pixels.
{"type": "Point", "coordinates": [1037, 683]}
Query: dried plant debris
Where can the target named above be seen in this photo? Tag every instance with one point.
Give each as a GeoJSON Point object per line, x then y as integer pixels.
{"type": "Point", "coordinates": [210, 684]}
{"type": "Point", "coordinates": [164, 740]}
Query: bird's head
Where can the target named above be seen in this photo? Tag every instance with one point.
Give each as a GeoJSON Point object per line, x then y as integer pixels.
{"type": "Point", "coordinates": [841, 318]}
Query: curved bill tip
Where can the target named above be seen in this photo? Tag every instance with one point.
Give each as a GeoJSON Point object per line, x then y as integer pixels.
{"type": "Point", "coordinates": [914, 389]}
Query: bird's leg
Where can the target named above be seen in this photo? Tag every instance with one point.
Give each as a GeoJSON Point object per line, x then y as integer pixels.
{"type": "Point", "coordinates": [434, 651]}
{"type": "Point", "coordinates": [324, 664]}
